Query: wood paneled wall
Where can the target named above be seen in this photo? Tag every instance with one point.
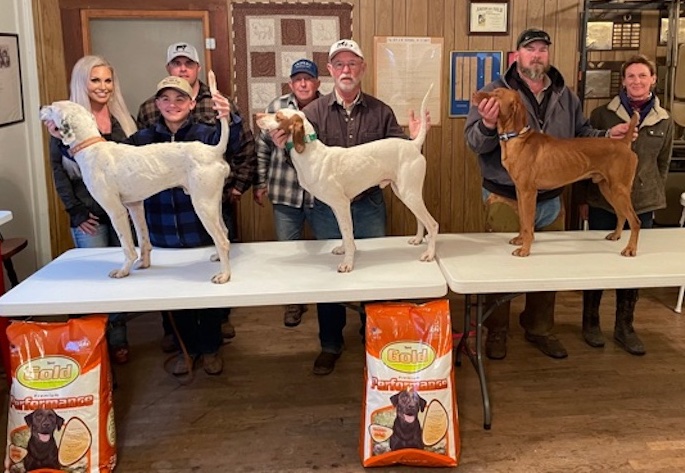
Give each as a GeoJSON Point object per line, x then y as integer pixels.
{"type": "Point", "coordinates": [452, 187]}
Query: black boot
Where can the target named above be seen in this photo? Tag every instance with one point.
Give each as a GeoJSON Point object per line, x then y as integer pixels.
{"type": "Point", "coordinates": [624, 334]}
{"type": "Point", "coordinates": [591, 331]}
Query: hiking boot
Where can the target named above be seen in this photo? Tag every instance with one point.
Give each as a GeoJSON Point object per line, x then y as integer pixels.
{"type": "Point", "coordinates": [293, 314]}
{"type": "Point", "coordinates": [227, 330]}
{"type": "Point", "coordinates": [496, 344]}
{"type": "Point", "coordinates": [548, 344]}
{"type": "Point", "coordinates": [212, 363]}
{"type": "Point", "coordinates": [180, 366]}
{"type": "Point", "coordinates": [624, 333]}
{"type": "Point", "coordinates": [325, 363]}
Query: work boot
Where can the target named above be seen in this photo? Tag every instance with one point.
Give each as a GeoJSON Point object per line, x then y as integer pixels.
{"type": "Point", "coordinates": [212, 363]}
{"type": "Point", "coordinates": [496, 344]}
{"type": "Point", "coordinates": [547, 344]}
{"type": "Point", "coordinates": [591, 331]}
{"type": "Point", "coordinates": [624, 334]}
{"type": "Point", "coordinates": [293, 314]}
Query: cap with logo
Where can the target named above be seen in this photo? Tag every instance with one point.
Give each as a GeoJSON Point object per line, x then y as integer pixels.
{"type": "Point", "coordinates": [345, 45]}
{"type": "Point", "coordinates": [306, 66]}
{"type": "Point", "coordinates": [531, 35]}
{"type": "Point", "coordinates": [176, 83]}
{"type": "Point", "coordinates": [181, 49]}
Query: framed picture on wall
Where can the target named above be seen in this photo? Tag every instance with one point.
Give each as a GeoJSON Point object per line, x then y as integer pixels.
{"type": "Point", "coordinates": [11, 92]}
{"type": "Point", "coordinates": [488, 16]}
{"type": "Point", "coordinates": [469, 72]}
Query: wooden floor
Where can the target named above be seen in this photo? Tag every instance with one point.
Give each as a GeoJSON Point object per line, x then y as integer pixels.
{"type": "Point", "coordinates": [598, 410]}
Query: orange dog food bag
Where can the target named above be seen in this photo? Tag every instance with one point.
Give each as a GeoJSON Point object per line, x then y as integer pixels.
{"type": "Point", "coordinates": [410, 405]}
{"type": "Point", "coordinates": [60, 417]}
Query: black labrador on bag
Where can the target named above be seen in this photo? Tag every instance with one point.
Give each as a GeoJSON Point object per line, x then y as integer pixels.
{"type": "Point", "coordinates": [406, 430]}
{"type": "Point", "coordinates": [42, 448]}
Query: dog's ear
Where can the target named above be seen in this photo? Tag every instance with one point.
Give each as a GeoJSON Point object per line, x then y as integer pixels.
{"type": "Point", "coordinates": [422, 403]}
{"type": "Point", "coordinates": [60, 421]}
{"type": "Point", "coordinates": [297, 130]}
{"type": "Point", "coordinates": [394, 398]}
{"type": "Point", "coordinates": [29, 419]}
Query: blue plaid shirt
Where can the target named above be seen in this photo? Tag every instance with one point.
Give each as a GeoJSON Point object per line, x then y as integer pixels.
{"type": "Point", "coordinates": [170, 216]}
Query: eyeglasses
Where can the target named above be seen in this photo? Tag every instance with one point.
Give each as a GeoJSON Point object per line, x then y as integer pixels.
{"type": "Point", "coordinates": [353, 65]}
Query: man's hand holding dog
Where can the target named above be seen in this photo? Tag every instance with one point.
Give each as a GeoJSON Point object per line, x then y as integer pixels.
{"type": "Point", "coordinates": [489, 111]}
{"type": "Point", "coordinates": [221, 105]}
{"type": "Point", "coordinates": [619, 131]}
{"type": "Point", "coordinates": [415, 123]}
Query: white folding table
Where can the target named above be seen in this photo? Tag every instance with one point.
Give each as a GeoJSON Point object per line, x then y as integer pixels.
{"type": "Point", "coordinates": [264, 273]}
{"type": "Point", "coordinates": [482, 263]}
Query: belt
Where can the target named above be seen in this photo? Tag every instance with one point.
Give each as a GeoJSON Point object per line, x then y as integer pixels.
{"type": "Point", "coordinates": [366, 193]}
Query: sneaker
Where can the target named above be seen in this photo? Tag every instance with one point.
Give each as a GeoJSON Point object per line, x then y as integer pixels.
{"type": "Point", "coordinates": [180, 366]}
{"type": "Point", "coordinates": [548, 344]}
{"type": "Point", "coordinates": [168, 343]}
{"type": "Point", "coordinates": [213, 363]}
{"type": "Point", "coordinates": [325, 363]}
{"type": "Point", "coordinates": [293, 314]}
{"type": "Point", "coordinates": [227, 330]}
{"type": "Point", "coordinates": [496, 344]}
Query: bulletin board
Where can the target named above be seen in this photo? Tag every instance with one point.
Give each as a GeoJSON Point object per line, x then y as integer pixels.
{"type": "Point", "coordinates": [469, 72]}
{"type": "Point", "coordinates": [405, 67]}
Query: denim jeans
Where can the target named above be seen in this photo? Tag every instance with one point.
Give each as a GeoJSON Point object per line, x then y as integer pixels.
{"type": "Point", "coordinates": [368, 219]}
{"type": "Point", "coordinates": [546, 212]}
{"type": "Point", "coordinates": [104, 236]}
{"type": "Point", "coordinates": [289, 221]}
{"type": "Point", "coordinates": [600, 219]}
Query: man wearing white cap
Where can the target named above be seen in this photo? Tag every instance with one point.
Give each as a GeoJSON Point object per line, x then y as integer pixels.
{"type": "Point", "coordinates": [182, 60]}
{"type": "Point", "coordinates": [347, 117]}
{"type": "Point", "coordinates": [276, 175]}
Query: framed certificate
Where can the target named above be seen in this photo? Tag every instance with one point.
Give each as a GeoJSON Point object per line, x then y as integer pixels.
{"type": "Point", "coordinates": [488, 16]}
{"type": "Point", "coordinates": [11, 93]}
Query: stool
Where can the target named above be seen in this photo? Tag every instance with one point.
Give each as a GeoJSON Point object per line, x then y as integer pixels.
{"type": "Point", "coordinates": [679, 304]}
{"type": "Point", "coordinates": [8, 248]}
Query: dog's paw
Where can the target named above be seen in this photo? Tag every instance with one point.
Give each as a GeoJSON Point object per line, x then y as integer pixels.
{"type": "Point", "coordinates": [142, 264]}
{"type": "Point", "coordinates": [221, 278]}
{"type": "Point", "coordinates": [345, 267]}
{"type": "Point", "coordinates": [415, 241]}
{"type": "Point", "coordinates": [629, 251]}
{"type": "Point", "coordinates": [338, 250]}
{"type": "Point", "coordinates": [613, 236]}
{"type": "Point", "coordinates": [428, 256]}
{"type": "Point", "coordinates": [118, 273]}
{"type": "Point", "coordinates": [518, 240]}
{"type": "Point", "coordinates": [214, 258]}
{"type": "Point", "coordinates": [523, 252]}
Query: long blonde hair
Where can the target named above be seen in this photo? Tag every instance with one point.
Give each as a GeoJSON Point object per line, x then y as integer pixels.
{"type": "Point", "coordinates": [80, 76]}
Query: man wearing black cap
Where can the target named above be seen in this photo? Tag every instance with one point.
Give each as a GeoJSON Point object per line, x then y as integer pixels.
{"type": "Point", "coordinates": [276, 175]}
{"type": "Point", "coordinates": [555, 110]}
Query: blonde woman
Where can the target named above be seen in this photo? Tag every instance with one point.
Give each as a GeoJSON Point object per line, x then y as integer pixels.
{"type": "Point", "coordinates": [94, 85]}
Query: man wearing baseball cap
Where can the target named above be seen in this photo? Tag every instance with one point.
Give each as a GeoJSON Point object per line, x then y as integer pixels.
{"type": "Point", "coordinates": [183, 60]}
{"type": "Point", "coordinates": [557, 112]}
{"type": "Point", "coordinates": [347, 117]}
{"type": "Point", "coordinates": [276, 175]}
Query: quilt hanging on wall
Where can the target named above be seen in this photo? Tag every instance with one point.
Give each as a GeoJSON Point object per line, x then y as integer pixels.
{"type": "Point", "coordinates": [269, 37]}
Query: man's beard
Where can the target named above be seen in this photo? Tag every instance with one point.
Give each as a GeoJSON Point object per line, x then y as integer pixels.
{"type": "Point", "coordinates": [535, 71]}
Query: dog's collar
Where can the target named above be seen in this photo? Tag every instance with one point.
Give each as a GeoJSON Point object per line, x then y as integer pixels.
{"type": "Point", "coordinates": [84, 144]}
{"type": "Point", "coordinates": [307, 139]}
{"type": "Point", "coordinates": [513, 134]}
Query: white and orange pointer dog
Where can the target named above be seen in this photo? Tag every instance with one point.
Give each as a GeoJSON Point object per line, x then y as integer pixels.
{"type": "Point", "coordinates": [336, 175]}
{"type": "Point", "coordinates": [121, 177]}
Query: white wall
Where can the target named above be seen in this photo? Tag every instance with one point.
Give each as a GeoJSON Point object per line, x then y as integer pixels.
{"type": "Point", "coordinates": [22, 173]}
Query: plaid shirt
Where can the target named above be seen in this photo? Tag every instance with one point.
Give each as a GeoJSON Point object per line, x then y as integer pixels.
{"type": "Point", "coordinates": [274, 168]}
{"type": "Point", "coordinates": [243, 163]}
{"type": "Point", "coordinates": [170, 215]}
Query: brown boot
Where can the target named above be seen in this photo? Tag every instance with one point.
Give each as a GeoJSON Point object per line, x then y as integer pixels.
{"type": "Point", "coordinates": [624, 334]}
{"type": "Point", "coordinates": [591, 331]}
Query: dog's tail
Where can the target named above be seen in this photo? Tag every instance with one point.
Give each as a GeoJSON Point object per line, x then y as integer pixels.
{"type": "Point", "coordinates": [421, 136]}
{"type": "Point", "coordinates": [628, 139]}
{"type": "Point", "coordinates": [223, 141]}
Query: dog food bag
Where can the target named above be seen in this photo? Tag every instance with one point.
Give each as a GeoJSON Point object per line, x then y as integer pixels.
{"type": "Point", "coordinates": [410, 406]}
{"type": "Point", "coordinates": [60, 416]}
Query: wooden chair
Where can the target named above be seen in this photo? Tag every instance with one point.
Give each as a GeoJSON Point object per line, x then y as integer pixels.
{"type": "Point", "coordinates": [9, 248]}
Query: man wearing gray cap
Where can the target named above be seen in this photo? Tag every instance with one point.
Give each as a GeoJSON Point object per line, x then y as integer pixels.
{"type": "Point", "coordinates": [182, 60]}
{"type": "Point", "coordinates": [276, 175]}
{"type": "Point", "coordinates": [556, 111]}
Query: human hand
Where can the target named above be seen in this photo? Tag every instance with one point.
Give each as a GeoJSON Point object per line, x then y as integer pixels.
{"type": "Point", "coordinates": [488, 109]}
{"type": "Point", "coordinates": [90, 226]}
{"type": "Point", "coordinates": [235, 195]}
{"type": "Point", "coordinates": [221, 105]}
{"type": "Point", "coordinates": [279, 137]}
{"type": "Point", "coordinates": [258, 195]}
{"type": "Point", "coordinates": [618, 132]}
{"type": "Point", "coordinates": [53, 129]}
{"type": "Point", "coordinates": [415, 123]}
